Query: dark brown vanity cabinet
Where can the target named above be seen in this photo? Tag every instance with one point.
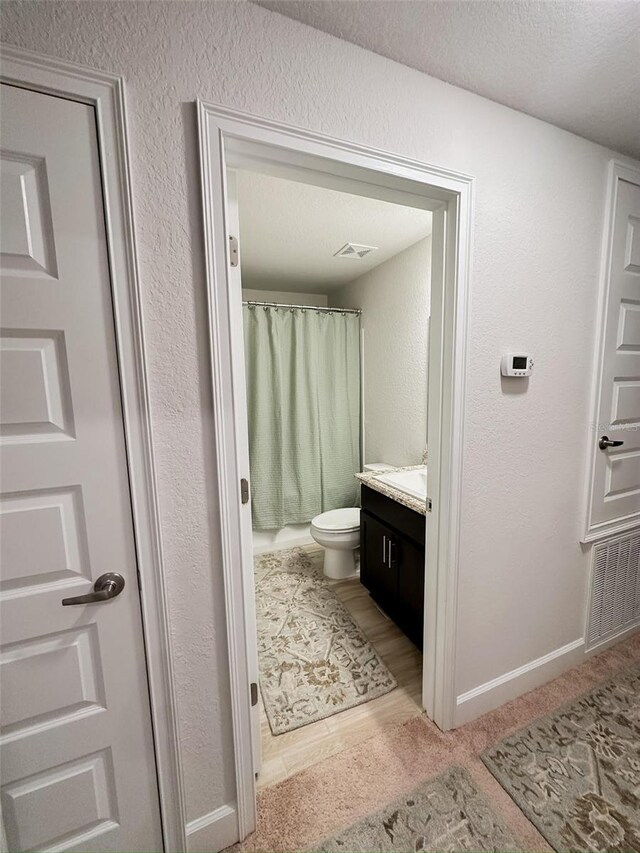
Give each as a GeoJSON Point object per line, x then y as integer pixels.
{"type": "Point", "coordinates": [392, 539]}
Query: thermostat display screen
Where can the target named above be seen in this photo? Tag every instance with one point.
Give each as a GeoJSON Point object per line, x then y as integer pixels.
{"type": "Point", "coordinates": [516, 364]}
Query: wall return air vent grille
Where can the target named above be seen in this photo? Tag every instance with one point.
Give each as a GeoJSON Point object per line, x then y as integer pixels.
{"type": "Point", "coordinates": [615, 588]}
{"type": "Point", "coordinates": [355, 251]}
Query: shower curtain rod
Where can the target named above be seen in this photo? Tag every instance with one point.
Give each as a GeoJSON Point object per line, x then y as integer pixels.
{"type": "Point", "coordinates": [253, 302]}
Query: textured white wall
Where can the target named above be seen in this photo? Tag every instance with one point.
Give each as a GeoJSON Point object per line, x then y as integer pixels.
{"type": "Point", "coordinates": [394, 297]}
{"type": "Point", "coordinates": [282, 296]}
{"type": "Point", "coordinates": [524, 54]}
{"type": "Point", "coordinates": [538, 220]}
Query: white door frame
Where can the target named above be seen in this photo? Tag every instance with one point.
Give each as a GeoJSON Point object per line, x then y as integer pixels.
{"type": "Point", "coordinates": [105, 92]}
{"type": "Point", "coordinates": [617, 172]}
{"type": "Point", "coordinates": [229, 137]}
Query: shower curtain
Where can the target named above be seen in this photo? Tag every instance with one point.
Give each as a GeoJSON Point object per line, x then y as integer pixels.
{"type": "Point", "coordinates": [303, 399]}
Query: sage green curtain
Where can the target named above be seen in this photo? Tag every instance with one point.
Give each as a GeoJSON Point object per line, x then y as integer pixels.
{"type": "Point", "coordinates": [303, 398]}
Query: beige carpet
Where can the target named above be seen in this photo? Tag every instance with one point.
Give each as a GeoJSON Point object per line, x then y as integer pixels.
{"type": "Point", "coordinates": [321, 801]}
{"type": "Point", "coordinates": [313, 658]}
{"type": "Point", "coordinates": [576, 773]}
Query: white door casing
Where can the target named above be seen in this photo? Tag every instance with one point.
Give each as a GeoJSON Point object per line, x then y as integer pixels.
{"type": "Point", "coordinates": [229, 138]}
{"type": "Point", "coordinates": [613, 502]}
{"type": "Point", "coordinates": [78, 769]}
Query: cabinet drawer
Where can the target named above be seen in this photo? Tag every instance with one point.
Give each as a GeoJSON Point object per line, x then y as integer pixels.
{"type": "Point", "coordinates": [402, 519]}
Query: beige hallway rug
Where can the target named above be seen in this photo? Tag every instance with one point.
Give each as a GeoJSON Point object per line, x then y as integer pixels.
{"type": "Point", "coordinates": [444, 814]}
{"type": "Point", "coordinates": [341, 790]}
{"type": "Point", "coordinates": [575, 773]}
{"type": "Point", "coordinates": [314, 660]}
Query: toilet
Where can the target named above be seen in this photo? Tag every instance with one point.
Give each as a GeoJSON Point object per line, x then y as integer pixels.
{"type": "Point", "coordinates": [338, 531]}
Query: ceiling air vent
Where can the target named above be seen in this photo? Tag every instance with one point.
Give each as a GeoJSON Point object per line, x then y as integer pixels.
{"type": "Point", "coordinates": [353, 250]}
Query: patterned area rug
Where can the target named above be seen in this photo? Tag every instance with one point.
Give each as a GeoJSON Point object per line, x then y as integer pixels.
{"type": "Point", "coordinates": [576, 773]}
{"type": "Point", "coordinates": [445, 813]}
{"type": "Point", "coordinates": [314, 660]}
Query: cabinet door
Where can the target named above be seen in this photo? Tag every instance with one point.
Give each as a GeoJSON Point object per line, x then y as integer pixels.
{"type": "Point", "coordinates": [408, 561]}
{"type": "Point", "coordinates": [377, 572]}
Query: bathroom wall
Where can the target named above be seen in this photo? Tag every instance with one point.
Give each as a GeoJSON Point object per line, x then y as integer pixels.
{"type": "Point", "coordinates": [539, 200]}
{"type": "Point", "coordinates": [283, 296]}
{"type": "Point", "coordinates": [394, 297]}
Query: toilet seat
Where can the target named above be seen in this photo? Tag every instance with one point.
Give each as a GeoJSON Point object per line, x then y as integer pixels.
{"type": "Point", "coordinates": [338, 531]}
{"type": "Point", "coordinates": [338, 520]}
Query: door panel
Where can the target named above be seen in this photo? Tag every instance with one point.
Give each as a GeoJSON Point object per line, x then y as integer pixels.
{"type": "Point", "coordinates": [376, 572]}
{"type": "Point", "coordinates": [246, 531]}
{"type": "Point", "coordinates": [78, 770]}
{"type": "Point", "coordinates": [410, 562]}
{"type": "Point", "coordinates": [615, 492]}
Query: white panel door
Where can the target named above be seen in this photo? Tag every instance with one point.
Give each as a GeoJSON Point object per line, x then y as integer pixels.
{"type": "Point", "coordinates": [615, 486]}
{"type": "Point", "coordinates": [78, 770]}
{"type": "Point", "coordinates": [240, 391]}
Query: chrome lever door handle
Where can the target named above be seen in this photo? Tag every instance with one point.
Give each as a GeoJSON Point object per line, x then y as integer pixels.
{"type": "Point", "coordinates": [605, 442]}
{"type": "Point", "coordinates": [107, 586]}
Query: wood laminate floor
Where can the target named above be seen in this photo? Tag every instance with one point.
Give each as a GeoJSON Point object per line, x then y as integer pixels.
{"type": "Point", "coordinates": [286, 754]}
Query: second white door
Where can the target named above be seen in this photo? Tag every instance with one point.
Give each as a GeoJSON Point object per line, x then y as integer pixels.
{"type": "Point", "coordinates": [615, 477]}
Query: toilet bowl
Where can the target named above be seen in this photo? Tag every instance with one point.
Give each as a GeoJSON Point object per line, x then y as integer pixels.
{"type": "Point", "coordinates": [338, 531]}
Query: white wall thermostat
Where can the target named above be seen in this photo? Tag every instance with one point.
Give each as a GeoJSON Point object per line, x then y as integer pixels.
{"type": "Point", "coordinates": [516, 364]}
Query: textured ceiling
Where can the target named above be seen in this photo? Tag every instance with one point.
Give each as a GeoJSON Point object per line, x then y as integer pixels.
{"type": "Point", "coordinates": [574, 64]}
{"type": "Point", "coordinates": [289, 233]}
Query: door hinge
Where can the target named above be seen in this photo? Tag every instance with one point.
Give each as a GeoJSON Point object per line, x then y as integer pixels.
{"type": "Point", "coordinates": [254, 694]}
{"type": "Point", "coordinates": [244, 490]}
{"type": "Point", "coordinates": [233, 251]}
{"type": "Point", "coordinates": [429, 505]}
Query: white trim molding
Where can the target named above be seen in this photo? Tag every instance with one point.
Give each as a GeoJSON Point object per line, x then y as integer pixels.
{"type": "Point", "coordinates": [595, 531]}
{"type": "Point", "coordinates": [229, 138]}
{"type": "Point", "coordinates": [214, 831]}
{"type": "Point", "coordinates": [105, 92]}
{"type": "Point", "coordinates": [496, 692]}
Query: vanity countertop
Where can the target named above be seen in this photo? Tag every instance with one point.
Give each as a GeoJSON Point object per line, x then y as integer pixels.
{"type": "Point", "coordinates": [368, 478]}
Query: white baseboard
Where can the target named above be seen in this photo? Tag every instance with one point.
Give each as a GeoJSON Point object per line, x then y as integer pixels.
{"type": "Point", "coordinates": [214, 831]}
{"type": "Point", "coordinates": [492, 694]}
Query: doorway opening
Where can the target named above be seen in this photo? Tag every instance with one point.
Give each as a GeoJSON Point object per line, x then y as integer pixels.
{"type": "Point", "coordinates": [335, 294]}
{"type": "Point", "coordinates": [233, 142]}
